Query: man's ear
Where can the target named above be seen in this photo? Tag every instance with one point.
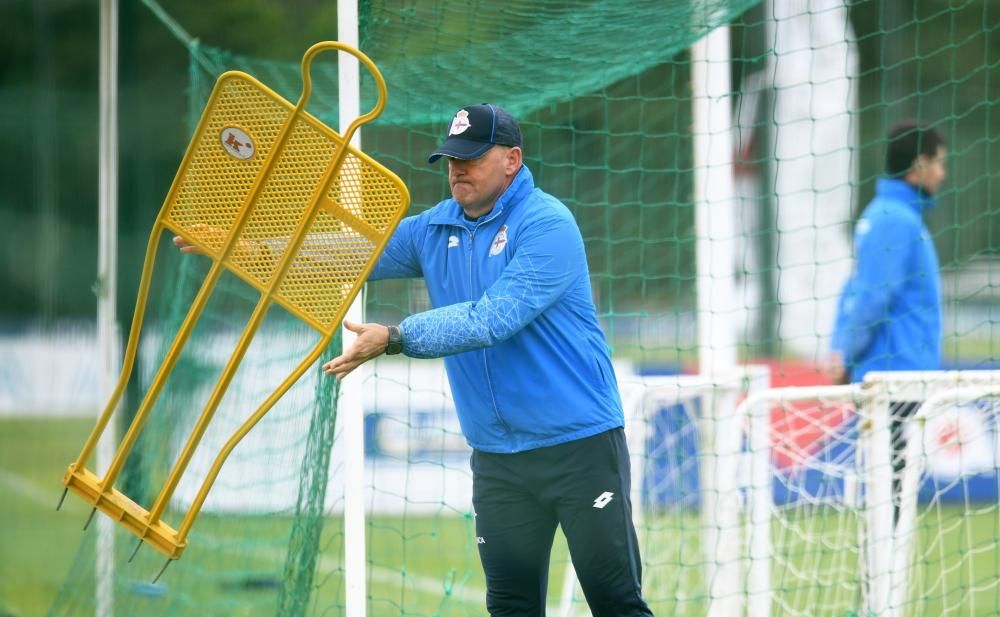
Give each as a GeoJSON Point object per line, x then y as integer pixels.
{"type": "Point", "coordinates": [514, 158]}
{"type": "Point", "coordinates": [913, 175]}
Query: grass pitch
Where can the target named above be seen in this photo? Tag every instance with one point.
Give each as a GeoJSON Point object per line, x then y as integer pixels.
{"type": "Point", "coordinates": [422, 565]}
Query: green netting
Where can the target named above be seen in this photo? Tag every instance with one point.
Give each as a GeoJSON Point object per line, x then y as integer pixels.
{"type": "Point", "coordinates": [603, 93]}
{"type": "Point", "coordinates": [606, 118]}
{"type": "Point", "coordinates": [261, 526]}
{"type": "Point", "coordinates": [529, 55]}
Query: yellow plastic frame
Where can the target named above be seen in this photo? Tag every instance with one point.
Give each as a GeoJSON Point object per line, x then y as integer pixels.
{"type": "Point", "coordinates": [230, 208]}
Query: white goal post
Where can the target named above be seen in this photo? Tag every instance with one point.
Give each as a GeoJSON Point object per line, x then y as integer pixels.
{"type": "Point", "coordinates": [956, 399]}
{"type": "Point", "coordinates": [866, 564]}
{"type": "Point", "coordinates": [814, 529]}
{"type": "Point", "coordinates": [642, 398]}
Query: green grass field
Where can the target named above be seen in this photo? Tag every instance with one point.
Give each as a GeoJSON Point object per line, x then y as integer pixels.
{"type": "Point", "coordinates": [37, 544]}
{"type": "Point", "coordinates": [417, 565]}
{"type": "Point", "coordinates": [426, 565]}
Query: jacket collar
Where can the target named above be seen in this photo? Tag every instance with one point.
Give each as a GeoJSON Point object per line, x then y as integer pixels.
{"type": "Point", "coordinates": [450, 213]}
{"type": "Point", "coordinates": [898, 189]}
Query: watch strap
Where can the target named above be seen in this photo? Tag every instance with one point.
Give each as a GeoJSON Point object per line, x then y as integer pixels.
{"type": "Point", "coordinates": [395, 344]}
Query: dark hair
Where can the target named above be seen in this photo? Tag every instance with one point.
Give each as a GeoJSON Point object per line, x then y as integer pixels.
{"type": "Point", "coordinates": [907, 141]}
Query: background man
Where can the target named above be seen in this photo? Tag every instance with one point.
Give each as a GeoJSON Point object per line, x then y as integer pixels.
{"type": "Point", "coordinates": [889, 314]}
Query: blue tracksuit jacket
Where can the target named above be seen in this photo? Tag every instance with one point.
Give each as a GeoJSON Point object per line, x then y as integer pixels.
{"type": "Point", "coordinates": [889, 316]}
{"type": "Point", "coordinates": [513, 316]}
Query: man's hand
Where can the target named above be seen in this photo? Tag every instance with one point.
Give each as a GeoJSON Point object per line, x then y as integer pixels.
{"type": "Point", "coordinates": [835, 369]}
{"type": "Point", "coordinates": [244, 249]}
{"type": "Point", "coordinates": [183, 245]}
{"type": "Point", "coordinates": [371, 343]}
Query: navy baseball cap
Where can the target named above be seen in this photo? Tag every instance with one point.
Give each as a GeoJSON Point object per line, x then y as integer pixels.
{"type": "Point", "coordinates": [475, 129]}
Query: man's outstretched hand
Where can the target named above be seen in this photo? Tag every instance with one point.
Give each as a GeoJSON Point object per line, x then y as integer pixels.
{"type": "Point", "coordinates": [183, 245]}
{"type": "Point", "coordinates": [371, 343]}
{"type": "Point", "coordinates": [372, 337]}
{"type": "Point", "coordinates": [244, 248]}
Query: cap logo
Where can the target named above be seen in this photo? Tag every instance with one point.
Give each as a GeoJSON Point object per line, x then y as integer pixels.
{"type": "Point", "coordinates": [461, 123]}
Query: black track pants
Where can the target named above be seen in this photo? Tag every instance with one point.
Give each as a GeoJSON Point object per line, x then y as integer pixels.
{"type": "Point", "coordinates": [582, 486]}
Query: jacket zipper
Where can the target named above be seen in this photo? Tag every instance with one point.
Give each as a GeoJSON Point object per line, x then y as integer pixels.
{"type": "Point", "coordinates": [486, 365]}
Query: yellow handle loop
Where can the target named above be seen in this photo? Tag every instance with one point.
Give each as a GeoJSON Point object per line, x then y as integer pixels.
{"type": "Point", "coordinates": [307, 59]}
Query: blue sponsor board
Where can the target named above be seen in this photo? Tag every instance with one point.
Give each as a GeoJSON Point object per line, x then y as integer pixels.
{"type": "Point", "coordinates": [410, 423]}
{"type": "Point", "coordinates": [671, 469]}
{"type": "Point", "coordinates": [416, 436]}
{"type": "Point", "coordinates": [962, 464]}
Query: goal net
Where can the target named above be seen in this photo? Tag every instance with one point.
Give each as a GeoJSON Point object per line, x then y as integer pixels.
{"type": "Point", "coordinates": [604, 97]}
{"type": "Point", "coordinates": [850, 511]}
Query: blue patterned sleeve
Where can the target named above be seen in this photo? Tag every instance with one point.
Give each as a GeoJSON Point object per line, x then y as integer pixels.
{"type": "Point", "coordinates": [400, 259]}
{"type": "Point", "coordinates": [548, 256]}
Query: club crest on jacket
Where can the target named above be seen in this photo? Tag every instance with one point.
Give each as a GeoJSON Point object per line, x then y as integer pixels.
{"type": "Point", "coordinates": [499, 241]}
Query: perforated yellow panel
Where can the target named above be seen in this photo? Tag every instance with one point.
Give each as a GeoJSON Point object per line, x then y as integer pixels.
{"type": "Point", "coordinates": [275, 196]}
{"type": "Point", "coordinates": [363, 202]}
{"type": "Point", "coordinates": [213, 185]}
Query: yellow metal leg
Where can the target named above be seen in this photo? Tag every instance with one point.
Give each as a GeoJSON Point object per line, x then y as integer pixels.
{"type": "Point", "coordinates": [240, 433]}
{"type": "Point", "coordinates": [206, 415]}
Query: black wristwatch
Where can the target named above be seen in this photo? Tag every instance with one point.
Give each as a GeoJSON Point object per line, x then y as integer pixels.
{"type": "Point", "coordinates": [395, 341]}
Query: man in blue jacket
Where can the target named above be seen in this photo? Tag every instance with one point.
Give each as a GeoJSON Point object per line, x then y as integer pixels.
{"type": "Point", "coordinates": [889, 315]}
{"type": "Point", "coordinates": [529, 369]}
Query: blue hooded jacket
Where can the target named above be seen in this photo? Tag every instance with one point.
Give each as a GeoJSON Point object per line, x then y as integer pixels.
{"type": "Point", "coordinates": [513, 317]}
{"type": "Point", "coordinates": [889, 315]}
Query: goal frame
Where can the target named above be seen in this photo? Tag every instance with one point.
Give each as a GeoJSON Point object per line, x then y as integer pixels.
{"type": "Point", "coordinates": [886, 549]}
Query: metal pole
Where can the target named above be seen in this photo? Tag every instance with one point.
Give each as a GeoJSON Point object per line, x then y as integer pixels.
{"type": "Point", "coordinates": [349, 409]}
{"type": "Point", "coordinates": [109, 358]}
{"type": "Point", "coordinates": [715, 199]}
